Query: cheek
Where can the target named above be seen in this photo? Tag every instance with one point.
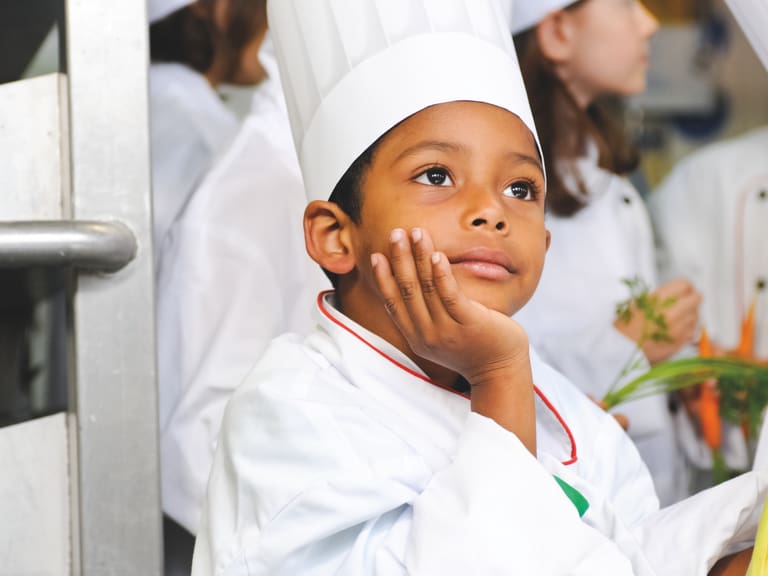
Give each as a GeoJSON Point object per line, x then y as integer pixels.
{"type": "Point", "coordinates": [536, 248]}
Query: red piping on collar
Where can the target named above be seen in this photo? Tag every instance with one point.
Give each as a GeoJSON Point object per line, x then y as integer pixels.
{"type": "Point", "coordinates": [574, 456]}
{"type": "Point", "coordinates": [379, 352]}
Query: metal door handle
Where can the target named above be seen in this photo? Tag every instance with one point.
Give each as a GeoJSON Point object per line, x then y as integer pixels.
{"type": "Point", "coordinates": [104, 246]}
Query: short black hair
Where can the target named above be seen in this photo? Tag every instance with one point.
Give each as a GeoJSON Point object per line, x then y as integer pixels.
{"type": "Point", "coordinates": [348, 192]}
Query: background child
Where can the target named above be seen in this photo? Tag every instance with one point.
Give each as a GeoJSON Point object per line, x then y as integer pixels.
{"type": "Point", "coordinates": [726, 186]}
{"type": "Point", "coordinates": [351, 452]}
{"type": "Point", "coordinates": [235, 275]}
{"type": "Point", "coordinates": [571, 57]}
{"type": "Point", "coordinates": [195, 46]}
{"type": "Point", "coordinates": [709, 215]}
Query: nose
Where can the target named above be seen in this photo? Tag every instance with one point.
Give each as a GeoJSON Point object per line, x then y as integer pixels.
{"type": "Point", "coordinates": [649, 22]}
{"type": "Point", "coordinates": [499, 225]}
{"type": "Point", "coordinates": [487, 212]}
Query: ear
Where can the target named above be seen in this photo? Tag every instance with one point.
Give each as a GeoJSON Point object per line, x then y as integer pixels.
{"type": "Point", "coordinates": [555, 36]}
{"type": "Point", "coordinates": [328, 238]}
{"type": "Point", "coordinates": [548, 240]}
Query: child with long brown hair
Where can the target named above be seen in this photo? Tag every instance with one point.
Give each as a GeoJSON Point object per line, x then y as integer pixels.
{"type": "Point", "coordinates": [574, 55]}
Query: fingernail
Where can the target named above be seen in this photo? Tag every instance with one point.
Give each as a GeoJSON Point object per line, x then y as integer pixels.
{"type": "Point", "coordinates": [416, 234]}
{"type": "Point", "coordinates": [435, 257]}
{"type": "Point", "coordinates": [396, 235]}
{"type": "Point", "coordinates": [374, 260]}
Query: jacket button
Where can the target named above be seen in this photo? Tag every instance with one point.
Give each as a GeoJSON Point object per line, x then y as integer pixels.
{"type": "Point", "coordinates": [763, 194]}
{"type": "Point", "coordinates": [628, 200]}
{"type": "Point", "coordinates": [761, 284]}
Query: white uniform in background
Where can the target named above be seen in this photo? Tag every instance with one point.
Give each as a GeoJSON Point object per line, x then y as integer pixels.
{"type": "Point", "coordinates": [233, 275]}
{"type": "Point", "coordinates": [339, 456]}
{"type": "Point", "coordinates": [570, 317]}
{"type": "Point", "coordinates": [190, 127]}
{"type": "Point", "coordinates": [711, 221]}
{"type": "Point", "coordinates": [710, 216]}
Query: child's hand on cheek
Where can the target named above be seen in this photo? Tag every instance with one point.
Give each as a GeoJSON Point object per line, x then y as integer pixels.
{"type": "Point", "coordinates": [443, 326]}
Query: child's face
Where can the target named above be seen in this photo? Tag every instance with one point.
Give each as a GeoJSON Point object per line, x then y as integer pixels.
{"type": "Point", "coordinates": [468, 173]}
{"type": "Point", "coordinates": [609, 48]}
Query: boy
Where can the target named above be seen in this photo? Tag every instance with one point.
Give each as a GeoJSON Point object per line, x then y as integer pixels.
{"type": "Point", "coordinates": [360, 450]}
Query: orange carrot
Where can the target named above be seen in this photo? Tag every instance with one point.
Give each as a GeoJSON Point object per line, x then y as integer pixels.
{"type": "Point", "coordinates": [746, 348]}
{"type": "Point", "coordinates": [705, 346]}
{"type": "Point", "coordinates": [709, 413]}
{"type": "Point", "coordinates": [709, 402]}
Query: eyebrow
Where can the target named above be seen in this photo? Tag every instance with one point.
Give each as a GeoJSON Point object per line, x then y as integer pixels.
{"type": "Point", "coordinates": [436, 145]}
{"type": "Point", "coordinates": [519, 158]}
{"type": "Point", "coordinates": [442, 146]}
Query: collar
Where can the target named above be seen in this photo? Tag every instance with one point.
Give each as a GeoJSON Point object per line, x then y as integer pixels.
{"type": "Point", "coordinates": [393, 380]}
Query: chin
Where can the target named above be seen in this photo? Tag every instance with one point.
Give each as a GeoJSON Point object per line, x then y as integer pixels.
{"type": "Point", "coordinates": [499, 303]}
{"type": "Point", "coordinates": [501, 297]}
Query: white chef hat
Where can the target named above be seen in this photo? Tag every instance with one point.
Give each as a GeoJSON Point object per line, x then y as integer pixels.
{"type": "Point", "coordinates": [353, 69]}
{"type": "Point", "coordinates": [527, 13]}
{"type": "Point", "coordinates": [752, 16]}
{"type": "Point", "coordinates": [159, 9]}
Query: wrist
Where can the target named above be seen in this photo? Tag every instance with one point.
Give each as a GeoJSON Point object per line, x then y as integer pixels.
{"type": "Point", "coordinates": [506, 394]}
{"type": "Point", "coordinates": [498, 371]}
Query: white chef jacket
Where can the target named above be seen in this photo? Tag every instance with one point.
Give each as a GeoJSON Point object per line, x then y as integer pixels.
{"type": "Point", "coordinates": [710, 217]}
{"type": "Point", "coordinates": [189, 129]}
{"type": "Point", "coordinates": [570, 317]}
{"type": "Point", "coordinates": [234, 274]}
{"type": "Point", "coordinates": [339, 456]}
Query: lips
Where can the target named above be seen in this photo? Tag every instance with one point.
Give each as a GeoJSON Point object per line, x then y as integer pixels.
{"type": "Point", "coordinates": [485, 262]}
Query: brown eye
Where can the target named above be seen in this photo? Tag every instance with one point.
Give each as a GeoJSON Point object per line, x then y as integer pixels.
{"type": "Point", "coordinates": [435, 177]}
{"type": "Point", "coordinates": [521, 190]}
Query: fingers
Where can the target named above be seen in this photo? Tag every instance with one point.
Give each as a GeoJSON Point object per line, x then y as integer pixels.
{"type": "Point", "coordinates": [418, 287]}
{"type": "Point", "coordinates": [407, 283]}
{"type": "Point", "coordinates": [683, 316]}
{"type": "Point", "coordinates": [423, 252]}
{"type": "Point", "coordinates": [675, 288]}
{"type": "Point", "coordinates": [438, 285]}
{"type": "Point", "coordinates": [453, 301]}
{"type": "Point", "coordinates": [390, 293]}
{"type": "Point", "coordinates": [398, 281]}
{"type": "Point", "coordinates": [682, 313]}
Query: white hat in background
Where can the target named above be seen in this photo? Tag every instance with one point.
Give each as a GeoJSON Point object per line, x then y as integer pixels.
{"type": "Point", "coordinates": [353, 69]}
{"type": "Point", "coordinates": [159, 9]}
{"type": "Point", "coordinates": [527, 13]}
{"type": "Point", "coordinates": [752, 16]}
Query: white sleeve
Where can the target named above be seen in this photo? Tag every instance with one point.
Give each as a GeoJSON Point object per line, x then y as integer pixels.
{"type": "Point", "coordinates": [307, 508]}
{"type": "Point", "coordinates": [613, 465]}
{"type": "Point", "coordinates": [689, 537]}
{"type": "Point", "coordinates": [487, 514]}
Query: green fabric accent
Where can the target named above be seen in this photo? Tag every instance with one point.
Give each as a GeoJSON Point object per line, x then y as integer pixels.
{"type": "Point", "coordinates": [574, 496]}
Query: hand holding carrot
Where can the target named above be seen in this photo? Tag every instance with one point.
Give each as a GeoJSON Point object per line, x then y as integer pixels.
{"type": "Point", "coordinates": [681, 317]}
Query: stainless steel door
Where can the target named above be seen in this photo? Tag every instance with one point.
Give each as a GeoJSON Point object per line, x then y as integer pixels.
{"type": "Point", "coordinates": [75, 218]}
